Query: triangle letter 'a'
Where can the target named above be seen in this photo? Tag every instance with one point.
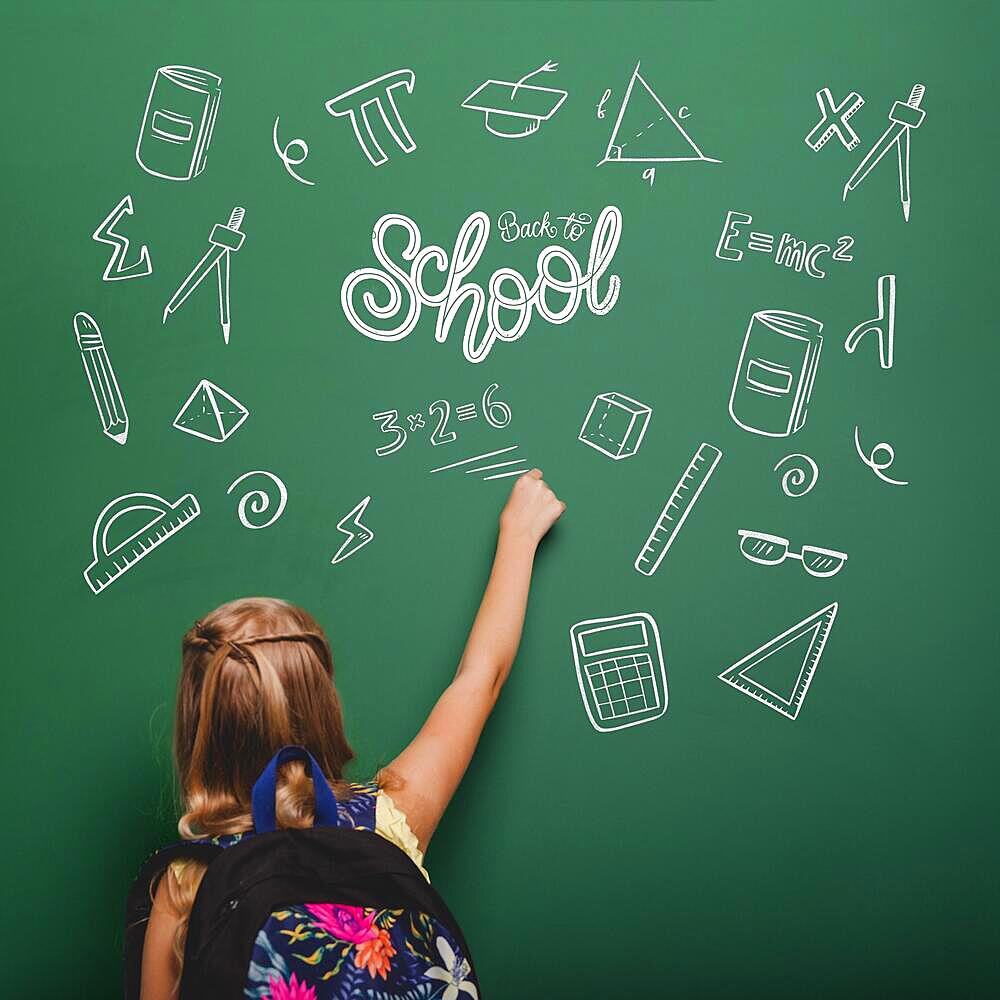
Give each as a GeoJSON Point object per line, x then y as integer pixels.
{"type": "Point", "coordinates": [210, 413]}
{"type": "Point", "coordinates": [647, 132]}
{"type": "Point", "coordinates": [779, 673]}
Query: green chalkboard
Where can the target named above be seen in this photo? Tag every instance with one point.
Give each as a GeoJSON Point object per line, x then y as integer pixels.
{"type": "Point", "coordinates": [720, 848]}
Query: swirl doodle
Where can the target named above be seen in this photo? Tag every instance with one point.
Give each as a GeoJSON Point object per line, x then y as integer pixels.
{"type": "Point", "coordinates": [874, 463]}
{"type": "Point", "coordinates": [291, 149]}
{"type": "Point", "coordinates": [259, 500]}
{"type": "Point", "coordinates": [800, 477]}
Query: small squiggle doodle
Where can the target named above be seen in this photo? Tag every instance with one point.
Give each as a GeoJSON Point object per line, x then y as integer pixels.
{"type": "Point", "coordinates": [874, 464]}
{"type": "Point", "coordinates": [259, 500]}
{"type": "Point", "coordinates": [802, 474]}
{"type": "Point", "coordinates": [288, 153]}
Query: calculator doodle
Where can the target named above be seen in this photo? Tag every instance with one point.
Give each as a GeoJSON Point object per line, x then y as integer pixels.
{"type": "Point", "coordinates": [620, 670]}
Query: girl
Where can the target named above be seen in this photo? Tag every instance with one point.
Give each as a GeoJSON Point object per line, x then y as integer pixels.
{"type": "Point", "coordinates": [257, 675]}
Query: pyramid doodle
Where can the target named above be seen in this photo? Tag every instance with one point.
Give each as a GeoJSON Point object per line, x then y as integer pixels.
{"type": "Point", "coordinates": [210, 413]}
{"type": "Point", "coordinates": [778, 674]}
{"type": "Point", "coordinates": [647, 132]}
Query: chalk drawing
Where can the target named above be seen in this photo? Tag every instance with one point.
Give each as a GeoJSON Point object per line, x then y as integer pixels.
{"type": "Point", "coordinates": [642, 132]}
{"type": "Point", "coordinates": [834, 120]}
{"type": "Point", "coordinates": [116, 269]}
{"type": "Point", "coordinates": [620, 670]}
{"type": "Point", "coordinates": [259, 501]}
{"type": "Point", "coordinates": [288, 153]}
{"type": "Point", "coordinates": [400, 289]}
{"type": "Point", "coordinates": [800, 477]}
{"type": "Point", "coordinates": [882, 324]}
{"type": "Point", "coordinates": [772, 550]}
{"type": "Point", "coordinates": [875, 464]}
{"type": "Point", "coordinates": [167, 520]}
{"type": "Point", "coordinates": [178, 122]}
{"type": "Point", "coordinates": [210, 413]}
{"type": "Point", "coordinates": [796, 652]}
{"type": "Point", "coordinates": [602, 102]}
{"type": "Point", "coordinates": [101, 378]}
{"type": "Point", "coordinates": [358, 534]}
{"type": "Point", "coordinates": [615, 424]}
{"type": "Point", "coordinates": [515, 110]}
{"type": "Point", "coordinates": [679, 505]}
{"type": "Point", "coordinates": [775, 374]}
{"type": "Point", "coordinates": [903, 119]}
{"type": "Point", "coordinates": [475, 468]}
{"type": "Point", "coordinates": [223, 241]}
{"type": "Point", "coordinates": [376, 95]}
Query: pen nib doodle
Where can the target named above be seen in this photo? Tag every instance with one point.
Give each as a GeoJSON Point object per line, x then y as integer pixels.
{"type": "Point", "coordinates": [883, 324]}
{"type": "Point", "coordinates": [259, 501]}
{"type": "Point", "coordinates": [223, 242]}
{"type": "Point", "coordinates": [358, 534]}
{"type": "Point", "coordinates": [178, 122]}
{"type": "Point", "coordinates": [903, 119]}
{"type": "Point", "coordinates": [514, 110]}
{"type": "Point", "coordinates": [800, 477]}
{"type": "Point", "coordinates": [377, 94]}
{"type": "Point", "coordinates": [877, 466]}
{"type": "Point", "coordinates": [167, 519]}
{"type": "Point", "coordinates": [210, 413]}
{"type": "Point", "coordinates": [117, 269]}
{"type": "Point", "coordinates": [288, 152]}
{"type": "Point", "coordinates": [646, 131]}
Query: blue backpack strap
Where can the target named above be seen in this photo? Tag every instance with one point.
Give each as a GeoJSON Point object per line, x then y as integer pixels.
{"type": "Point", "coordinates": [265, 819]}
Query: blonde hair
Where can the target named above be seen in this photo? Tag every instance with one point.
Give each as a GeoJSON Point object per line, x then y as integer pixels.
{"type": "Point", "coordinates": [256, 675]}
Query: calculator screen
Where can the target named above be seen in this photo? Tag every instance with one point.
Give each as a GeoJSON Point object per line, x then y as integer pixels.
{"type": "Point", "coordinates": [614, 637]}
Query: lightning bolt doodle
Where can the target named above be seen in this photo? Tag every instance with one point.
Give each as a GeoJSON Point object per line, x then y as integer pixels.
{"type": "Point", "coordinates": [358, 535]}
{"type": "Point", "coordinates": [105, 233]}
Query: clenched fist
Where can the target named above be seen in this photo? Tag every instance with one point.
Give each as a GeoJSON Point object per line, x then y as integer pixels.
{"type": "Point", "coordinates": [531, 510]}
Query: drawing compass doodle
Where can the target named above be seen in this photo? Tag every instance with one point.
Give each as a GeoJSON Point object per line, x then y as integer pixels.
{"type": "Point", "coordinates": [903, 118]}
{"type": "Point", "coordinates": [223, 241]}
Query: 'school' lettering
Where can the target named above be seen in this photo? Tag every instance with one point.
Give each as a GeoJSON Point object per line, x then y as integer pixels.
{"type": "Point", "coordinates": [407, 294]}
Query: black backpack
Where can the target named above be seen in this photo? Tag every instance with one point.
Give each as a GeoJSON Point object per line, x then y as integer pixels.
{"type": "Point", "coordinates": [328, 912]}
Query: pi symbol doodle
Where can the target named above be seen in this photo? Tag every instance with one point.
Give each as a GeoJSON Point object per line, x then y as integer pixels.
{"type": "Point", "coordinates": [376, 95]}
{"type": "Point", "coordinates": [105, 233]}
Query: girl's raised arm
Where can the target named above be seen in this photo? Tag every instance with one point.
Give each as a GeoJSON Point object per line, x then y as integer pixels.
{"type": "Point", "coordinates": [423, 778]}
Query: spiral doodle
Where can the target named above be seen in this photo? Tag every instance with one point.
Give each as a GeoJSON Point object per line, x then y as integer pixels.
{"type": "Point", "coordinates": [799, 478]}
{"type": "Point", "coordinates": [259, 500]}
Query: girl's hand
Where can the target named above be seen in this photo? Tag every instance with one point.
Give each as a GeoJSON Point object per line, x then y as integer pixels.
{"type": "Point", "coordinates": [531, 510]}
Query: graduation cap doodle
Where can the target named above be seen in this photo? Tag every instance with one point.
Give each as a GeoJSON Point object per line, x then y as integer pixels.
{"type": "Point", "coordinates": [514, 110]}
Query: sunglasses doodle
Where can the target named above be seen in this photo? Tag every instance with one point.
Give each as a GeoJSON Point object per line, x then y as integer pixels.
{"type": "Point", "coordinates": [772, 550]}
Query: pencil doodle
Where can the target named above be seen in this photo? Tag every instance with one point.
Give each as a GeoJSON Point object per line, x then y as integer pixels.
{"type": "Point", "coordinates": [796, 652]}
{"type": "Point", "coordinates": [116, 269]}
{"type": "Point", "coordinates": [800, 477]}
{"type": "Point", "coordinates": [259, 500]}
{"type": "Point", "coordinates": [834, 120]}
{"type": "Point", "coordinates": [775, 374]}
{"type": "Point", "coordinates": [615, 424]}
{"type": "Point", "coordinates": [883, 324]}
{"type": "Point", "coordinates": [620, 670]}
{"type": "Point", "coordinates": [475, 469]}
{"type": "Point", "coordinates": [903, 119]}
{"type": "Point", "coordinates": [358, 534]}
{"type": "Point", "coordinates": [168, 518]}
{"type": "Point", "coordinates": [791, 252]}
{"type": "Point", "coordinates": [642, 132]}
{"type": "Point", "coordinates": [877, 466]}
{"type": "Point", "coordinates": [675, 511]}
{"type": "Point", "coordinates": [288, 152]}
{"type": "Point", "coordinates": [101, 378]}
{"type": "Point", "coordinates": [378, 93]}
{"type": "Point", "coordinates": [514, 110]}
{"type": "Point", "coordinates": [210, 413]}
{"type": "Point", "coordinates": [772, 550]}
{"type": "Point", "coordinates": [178, 122]}
{"type": "Point", "coordinates": [223, 242]}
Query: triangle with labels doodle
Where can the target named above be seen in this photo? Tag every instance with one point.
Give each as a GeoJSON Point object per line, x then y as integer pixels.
{"type": "Point", "coordinates": [646, 131]}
